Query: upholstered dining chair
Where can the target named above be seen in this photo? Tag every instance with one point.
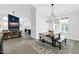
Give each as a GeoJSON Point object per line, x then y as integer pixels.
{"type": "Point", "coordinates": [59, 39]}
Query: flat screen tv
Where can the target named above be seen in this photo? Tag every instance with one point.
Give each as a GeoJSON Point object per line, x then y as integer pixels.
{"type": "Point", "coordinates": [13, 23]}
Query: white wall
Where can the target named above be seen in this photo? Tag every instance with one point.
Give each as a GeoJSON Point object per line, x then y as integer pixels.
{"type": "Point", "coordinates": [41, 25]}
{"type": "Point", "coordinates": [33, 23]}
{"type": "Point", "coordinates": [38, 23]}
{"type": "Point", "coordinates": [73, 25]}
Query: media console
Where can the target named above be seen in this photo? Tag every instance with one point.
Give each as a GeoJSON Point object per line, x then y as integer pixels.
{"type": "Point", "coordinates": [11, 34]}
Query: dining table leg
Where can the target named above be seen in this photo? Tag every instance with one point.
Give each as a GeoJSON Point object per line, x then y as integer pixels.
{"type": "Point", "coordinates": [39, 38]}
{"type": "Point", "coordinates": [52, 42]}
{"type": "Point", "coordinates": [65, 40]}
{"type": "Point", "coordinates": [59, 45]}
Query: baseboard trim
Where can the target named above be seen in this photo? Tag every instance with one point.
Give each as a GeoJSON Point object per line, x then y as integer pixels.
{"type": "Point", "coordinates": [73, 39]}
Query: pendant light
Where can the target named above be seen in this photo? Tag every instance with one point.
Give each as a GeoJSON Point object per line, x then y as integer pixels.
{"type": "Point", "coordinates": [13, 12]}
{"type": "Point", "coordinates": [52, 17]}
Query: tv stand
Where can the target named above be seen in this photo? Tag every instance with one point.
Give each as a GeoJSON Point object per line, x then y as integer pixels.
{"type": "Point", "coordinates": [11, 34]}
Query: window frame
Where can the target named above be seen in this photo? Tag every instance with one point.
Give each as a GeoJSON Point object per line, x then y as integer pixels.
{"type": "Point", "coordinates": [64, 27]}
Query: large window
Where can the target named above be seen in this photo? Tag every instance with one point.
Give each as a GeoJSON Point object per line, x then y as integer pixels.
{"type": "Point", "coordinates": [3, 24]}
{"type": "Point", "coordinates": [64, 26]}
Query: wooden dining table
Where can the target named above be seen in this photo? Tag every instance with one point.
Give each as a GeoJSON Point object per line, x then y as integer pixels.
{"type": "Point", "coordinates": [59, 39]}
{"type": "Point", "coordinates": [47, 34]}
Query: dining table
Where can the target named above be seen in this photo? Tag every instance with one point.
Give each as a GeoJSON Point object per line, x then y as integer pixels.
{"type": "Point", "coordinates": [55, 38]}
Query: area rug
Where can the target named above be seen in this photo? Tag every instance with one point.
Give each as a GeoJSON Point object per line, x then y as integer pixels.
{"type": "Point", "coordinates": [45, 48]}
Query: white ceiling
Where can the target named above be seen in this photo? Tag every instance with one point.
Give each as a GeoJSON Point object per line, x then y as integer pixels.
{"type": "Point", "coordinates": [59, 9]}
{"type": "Point", "coordinates": [24, 10]}
{"type": "Point", "coordinates": [21, 10]}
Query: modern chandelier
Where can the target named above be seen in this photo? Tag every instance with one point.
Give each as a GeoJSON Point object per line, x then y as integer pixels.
{"type": "Point", "coordinates": [52, 17]}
